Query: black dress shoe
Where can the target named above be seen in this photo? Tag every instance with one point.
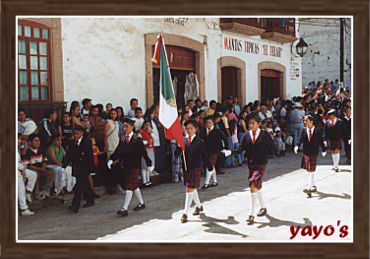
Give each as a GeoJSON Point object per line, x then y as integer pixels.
{"type": "Point", "coordinates": [262, 212]}
{"type": "Point", "coordinates": [139, 207]}
{"type": "Point", "coordinates": [314, 189]}
{"type": "Point", "coordinates": [122, 212]}
{"type": "Point", "coordinates": [206, 186]}
{"type": "Point", "coordinates": [88, 204]}
{"type": "Point", "coordinates": [198, 211]}
{"type": "Point", "coordinates": [184, 218]}
{"type": "Point", "coordinates": [250, 220]}
{"type": "Point", "coordinates": [308, 192]}
{"type": "Point", "coordinates": [73, 209]}
{"type": "Point", "coordinates": [214, 184]}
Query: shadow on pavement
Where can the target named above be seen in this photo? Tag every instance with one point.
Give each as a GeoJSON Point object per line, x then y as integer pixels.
{"type": "Point", "coordinates": [323, 195]}
{"type": "Point", "coordinates": [213, 227]}
{"type": "Point", "coordinates": [275, 222]}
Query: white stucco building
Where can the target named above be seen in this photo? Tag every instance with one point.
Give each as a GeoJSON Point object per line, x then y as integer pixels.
{"type": "Point", "coordinates": [322, 60]}
{"type": "Point", "coordinates": [108, 59]}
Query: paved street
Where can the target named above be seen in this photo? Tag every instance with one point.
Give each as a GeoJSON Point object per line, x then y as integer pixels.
{"type": "Point", "coordinates": [226, 210]}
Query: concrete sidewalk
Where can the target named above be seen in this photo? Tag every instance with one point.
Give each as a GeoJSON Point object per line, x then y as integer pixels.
{"type": "Point", "coordinates": [225, 217]}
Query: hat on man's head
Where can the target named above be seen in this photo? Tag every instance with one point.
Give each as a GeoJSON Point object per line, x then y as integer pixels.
{"type": "Point", "coordinates": [78, 128]}
{"type": "Point", "coordinates": [332, 111]}
{"type": "Point", "coordinates": [129, 121]}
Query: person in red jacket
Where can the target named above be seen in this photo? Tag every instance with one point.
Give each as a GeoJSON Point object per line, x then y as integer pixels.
{"type": "Point", "coordinates": [146, 133]}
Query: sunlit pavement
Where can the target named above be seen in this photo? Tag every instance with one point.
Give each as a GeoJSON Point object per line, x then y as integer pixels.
{"type": "Point", "coordinates": [224, 219]}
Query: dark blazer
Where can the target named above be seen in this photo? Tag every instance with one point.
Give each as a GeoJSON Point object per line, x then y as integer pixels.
{"type": "Point", "coordinates": [347, 123]}
{"type": "Point", "coordinates": [81, 157]}
{"type": "Point", "coordinates": [215, 141]}
{"type": "Point", "coordinates": [129, 155]}
{"type": "Point", "coordinates": [339, 131]}
{"type": "Point", "coordinates": [311, 148]}
{"type": "Point", "coordinates": [195, 154]}
{"type": "Point", "coordinates": [258, 152]}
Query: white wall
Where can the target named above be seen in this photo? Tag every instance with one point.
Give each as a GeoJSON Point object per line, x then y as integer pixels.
{"type": "Point", "coordinates": [293, 87]}
{"type": "Point", "coordinates": [104, 58]}
{"type": "Point", "coordinates": [322, 59]}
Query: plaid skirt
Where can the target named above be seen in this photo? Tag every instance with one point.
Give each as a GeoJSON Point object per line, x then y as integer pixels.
{"type": "Point", "coordinates": [131, 180]}
{"type": "Point", "coordinates": [192, 178]}
{"type": "Point", "coordinates": [309, 163]}
{"type": "Point", "coordinates": [256, 173]}
{"type": "Point", "coordinates": [335, 144]}
{"type": "Point", "coordinates": [213, 159]}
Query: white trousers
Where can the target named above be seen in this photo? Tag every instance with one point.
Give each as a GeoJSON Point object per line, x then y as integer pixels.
{"type": "Point", "coordinates": [31, 176]}
{"type": "Point", "coordinates": [63, 179]}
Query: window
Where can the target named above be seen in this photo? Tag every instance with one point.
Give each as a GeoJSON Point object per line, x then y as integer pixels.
{"type": "Point", "coordinates": [34, 70]}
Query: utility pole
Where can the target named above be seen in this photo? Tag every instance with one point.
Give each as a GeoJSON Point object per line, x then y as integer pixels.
{"type": "Point", "coordinates": [341, 50]}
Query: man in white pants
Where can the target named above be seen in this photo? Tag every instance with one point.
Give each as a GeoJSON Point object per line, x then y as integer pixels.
{"type": "Point", "coordinates": [25, 191]}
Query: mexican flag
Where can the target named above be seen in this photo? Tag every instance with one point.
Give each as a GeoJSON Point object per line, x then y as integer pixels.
{"type": "Point", "coordinates": [167, 101]}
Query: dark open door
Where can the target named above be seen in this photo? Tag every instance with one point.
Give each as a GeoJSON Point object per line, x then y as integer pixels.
{"type": "Point", "coordinates": [270, 84]}
{"type": "Point", "coordinates": [230, 82]}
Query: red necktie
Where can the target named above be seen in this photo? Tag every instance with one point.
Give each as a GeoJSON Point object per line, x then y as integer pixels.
{"type": "Point", "coordinates": [310, 134]}
{"type": "Point", "coordinates": [127, 139]}
{"type": "Point", "coordinates": [254, 137]}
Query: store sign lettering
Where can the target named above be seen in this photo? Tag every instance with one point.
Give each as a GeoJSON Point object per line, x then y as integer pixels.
{"type": "Point", "coordinates": [251, 47]}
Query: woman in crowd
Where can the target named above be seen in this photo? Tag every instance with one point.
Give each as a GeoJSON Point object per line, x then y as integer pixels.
{"type": "Point", "coordinates": [111, 133]}
{"type": "Point", "coordinates": [120, 115]}
{"type": "Point", "coordinates": [63, 178]}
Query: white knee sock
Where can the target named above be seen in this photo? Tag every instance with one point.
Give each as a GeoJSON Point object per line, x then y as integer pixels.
{"type": "Point", "coordinates": [260, 199]}
{"type": "Point", "coordinates": [188, 201]}
{"type": "Point", "coordinates": [127, 199]}
{"type": "Point", "coordinates": [310, 180]}
{"type": "Point", "coordinates": [208, 176]}
{"type": "Point", "coordinates": [147, 175]}
{"type": "Point", "coordinates": [253, 204]}
{"type": "Point", "coordinates": [336, 158]}
{"type": "Point", "coordinates": [196, 198]}
{"type": "Point", "coordinates": [138, 196]}
{"type": "Point", "coordinates": [143, 175]}
{"type": "Point", "coordinates": [214, 175]}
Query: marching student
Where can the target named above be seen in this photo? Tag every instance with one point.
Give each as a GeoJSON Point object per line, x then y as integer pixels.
{"type": "Point", "coordinates": [214, 142]}
{"type": "Point", "coordinates": [129, 153]}
{"type": "Point", "coordinates": [335, 132]}
{"type": "Point", "coordinates": [257, 144]}
{"type": "Point", "coordinates": [347, 139]}
{"type": "Point", "coordinates": [195, 154]}
{"type": "Point", "coordinates": [80, 155]}
{"type": "Point", "coordinates": [311, 138]}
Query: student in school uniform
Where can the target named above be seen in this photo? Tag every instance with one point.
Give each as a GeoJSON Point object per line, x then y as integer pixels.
{"type": "Point", "coordinates": [257, 144]}
{"type": "Point", "coordinates": [214, 142]}
{"type": "Point", "coordinates": [347, 138]}
{"type": "Point", "coordinates": [311, 138]}
{"type": "Point", "coordinates": [195, 154]}
{"type": "Point", "coordinates": [335, 132]}
{"type": "Point", "coordinates": [129, 153]}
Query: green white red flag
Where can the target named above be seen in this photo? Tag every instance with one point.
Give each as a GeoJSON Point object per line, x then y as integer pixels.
{"type": "Point", "coordinates": [168, 115]}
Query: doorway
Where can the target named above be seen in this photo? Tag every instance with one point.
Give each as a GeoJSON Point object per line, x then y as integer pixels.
{"type": "Point", "coordinates": [270, 84]}
{"type": "Point", "coordinates": [230, 82]}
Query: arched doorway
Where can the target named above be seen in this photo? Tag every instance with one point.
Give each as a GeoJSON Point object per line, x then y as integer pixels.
{"type": "Point", "coordinates": [182, 63]}
{"type": "Point", "coordinates": [271, 81]}
{"type": "Point", "coordinates": [231, 78]}
{"type": "Point", "coordinates": [230, 82]}
{"type": "Point", "coordinates": [270, 84]}
{"type": "Point", "coordinates": [191, 50]}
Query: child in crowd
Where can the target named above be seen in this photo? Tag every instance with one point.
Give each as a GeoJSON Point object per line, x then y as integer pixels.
{"type": "Point", "coordinates": [146, 133]}
{"type": "Point", "coordinates": [139, 120]}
